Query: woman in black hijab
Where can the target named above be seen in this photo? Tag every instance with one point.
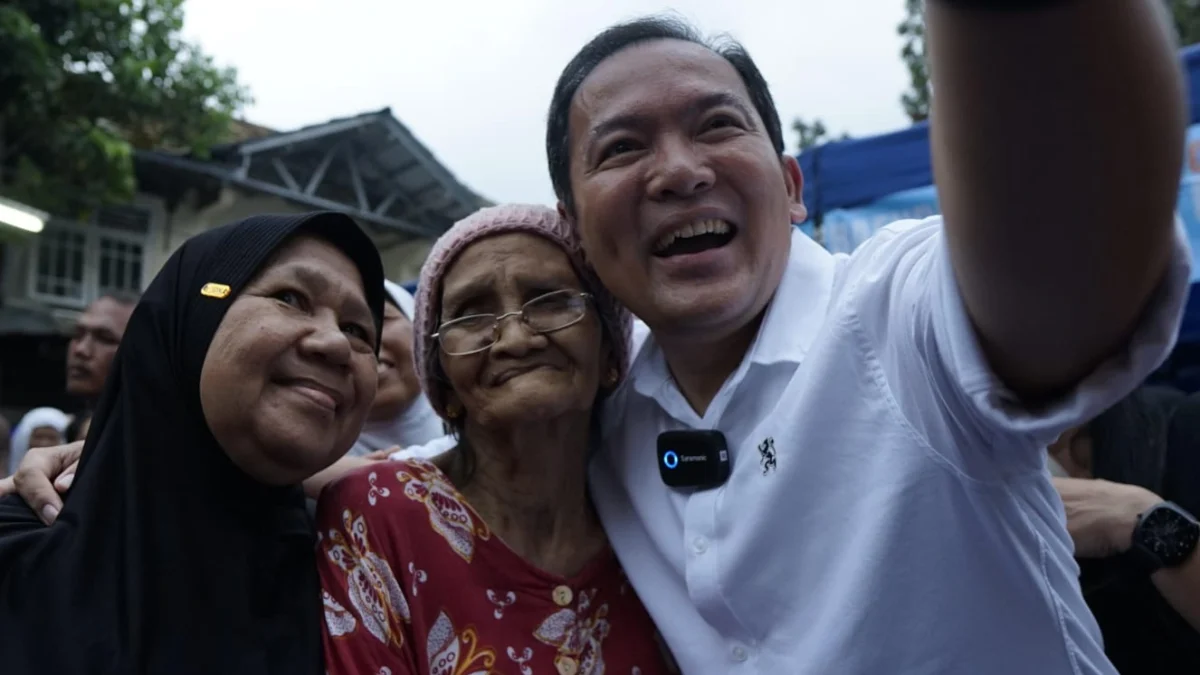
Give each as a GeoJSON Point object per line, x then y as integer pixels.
{"type": "Point", "coordinates": [184, 545]}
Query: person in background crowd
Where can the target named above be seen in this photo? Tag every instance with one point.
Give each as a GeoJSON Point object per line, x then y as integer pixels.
{"type": "Point", "coordinates": [94, 344]}
{"type": "Point", "coordinates": [39, 428]}
{"type": "Point", "coordinates": [401, 415]}
{"type": "Point", "coordinates": [184, 546]}
{"type": "Point", "coordinates": [1112, 472]}
{"type": "Point", "coordinates": [885, 414]}
{"type": "Point", "coordinates": [77, 430]}
{"type": "Point", "coordinates": [492, 554]}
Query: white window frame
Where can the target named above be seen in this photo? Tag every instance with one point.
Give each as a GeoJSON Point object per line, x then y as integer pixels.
{"type": "Point", "coordinates": [92, 233]}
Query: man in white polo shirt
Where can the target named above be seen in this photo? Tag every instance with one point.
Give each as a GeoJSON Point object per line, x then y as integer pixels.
{"type": "Point", "coordinates": [885, 413]}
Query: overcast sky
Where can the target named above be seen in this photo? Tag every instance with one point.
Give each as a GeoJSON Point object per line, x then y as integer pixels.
{"type": "Point", "coordinates": [472, 78]}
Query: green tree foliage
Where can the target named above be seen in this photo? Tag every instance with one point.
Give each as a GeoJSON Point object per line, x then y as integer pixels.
{"type": "Point", "coordinates": [85, 82]}
{"type": "Point", "coordinates": [812, 134]}
{"type": "Point", "coordinates": [912, 30]}
{"type": "Point", "coordinates": [1186, 14]}
{"type": "Point", "coordinates": [1187, 20]}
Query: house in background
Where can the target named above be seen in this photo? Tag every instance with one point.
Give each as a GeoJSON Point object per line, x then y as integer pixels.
{"type": "Point", "coordinates": [370, 167]}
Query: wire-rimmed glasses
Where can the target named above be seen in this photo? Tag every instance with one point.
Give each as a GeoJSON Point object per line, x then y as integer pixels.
{"type": "Point", "coordinates": [544, 314]}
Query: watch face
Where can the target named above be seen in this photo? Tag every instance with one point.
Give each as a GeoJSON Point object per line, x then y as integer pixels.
{"type": "Point", "coordinates": [1170, 535]}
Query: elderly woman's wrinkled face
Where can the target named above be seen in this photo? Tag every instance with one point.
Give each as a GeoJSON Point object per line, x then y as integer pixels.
{"type": "Point", "coordinates": [290, 374]}
{"type": "Point", "coordinates": [45, 437]}
{"type": "Point", "coordinates": [398, 384]}
{"type": "Point", "coordinates": [526, 375]}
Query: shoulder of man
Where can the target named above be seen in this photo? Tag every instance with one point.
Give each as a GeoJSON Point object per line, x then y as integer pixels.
{"type": "Point", "coordinates": [897, 238]}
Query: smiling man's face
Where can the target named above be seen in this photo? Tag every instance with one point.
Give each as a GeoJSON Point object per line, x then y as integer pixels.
{"type": "Point", "coordinates": [683, 204]}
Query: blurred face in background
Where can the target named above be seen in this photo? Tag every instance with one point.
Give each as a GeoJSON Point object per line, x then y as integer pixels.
{"type": "Point", "coordinates": [398, 384]}
{"type": "Point", "coordinates": [94, 344]}
{"type": "Point", "coordinates": [45, 437]}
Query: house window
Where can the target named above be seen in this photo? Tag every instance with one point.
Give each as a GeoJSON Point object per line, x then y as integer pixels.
{"type": "Point", "coordinates": [76, 262]}
{"type": "Point", "coordinates": [120, 266]}
{"type": "Point", "coordinates": [60, 264]}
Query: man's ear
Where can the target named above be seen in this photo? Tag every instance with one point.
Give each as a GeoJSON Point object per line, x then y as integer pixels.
{"type": "Point", "coordinates": [795, 187]}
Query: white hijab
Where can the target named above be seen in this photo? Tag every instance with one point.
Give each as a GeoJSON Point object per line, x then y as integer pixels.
{"type": "Point", "coordinates": [418, 424]}
{"type": "Point", "coordinates": [34, 419]}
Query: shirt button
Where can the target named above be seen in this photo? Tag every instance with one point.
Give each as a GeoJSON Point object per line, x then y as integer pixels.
{"type": "Point", "coordinates": [566, 665]}
{"type": "Point", "coordinates": [699, 545]}
{"type": "Point", "coordinates": [739, 653]}
{"type": "Point", "coordinates": [563, 596]}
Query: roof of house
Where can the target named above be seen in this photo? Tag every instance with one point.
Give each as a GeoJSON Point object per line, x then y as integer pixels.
{"type": "Point", "coordinates": [243, 130]}
{"type": "Point", "coordinates": [369, 166]}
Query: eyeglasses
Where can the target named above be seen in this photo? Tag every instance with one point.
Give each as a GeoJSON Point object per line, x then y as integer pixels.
{"type": "Point", "coordinates": [544, 314]}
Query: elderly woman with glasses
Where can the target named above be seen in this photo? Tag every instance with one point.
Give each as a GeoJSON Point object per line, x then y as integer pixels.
{"type": "Point", "coordinates": [490, 558]}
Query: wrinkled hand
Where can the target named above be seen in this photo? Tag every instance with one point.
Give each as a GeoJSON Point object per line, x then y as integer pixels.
{"type": "Point", "coordinates": [1101, 515]}
{"type": "Point", "coordinates": [44, 474]}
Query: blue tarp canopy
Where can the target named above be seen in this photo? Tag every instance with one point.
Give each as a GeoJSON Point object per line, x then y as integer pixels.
{"type": "Point", "coordinates": [851, 173]}
{"type": "Point", "coordinates": [860, 172]}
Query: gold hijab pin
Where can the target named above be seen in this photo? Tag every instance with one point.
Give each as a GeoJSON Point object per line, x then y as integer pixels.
{"type": "Point", "coordinates": [218, 291]}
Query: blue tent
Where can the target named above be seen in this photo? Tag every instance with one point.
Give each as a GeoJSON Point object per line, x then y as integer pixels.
{"type": "Point", "coordinates": [855, 173]}
{"type": "Point", "coordinates": [851, 173]}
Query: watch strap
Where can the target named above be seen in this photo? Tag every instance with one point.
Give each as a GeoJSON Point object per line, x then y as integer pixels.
{"type": "Point", "coordinates": [1151, 562]}
{"type": "Point", "coordinates": [1143, 559]}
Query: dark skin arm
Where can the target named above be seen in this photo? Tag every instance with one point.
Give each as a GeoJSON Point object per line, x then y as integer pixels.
{"type": "Point", "coordinates": [1057, 144]}
{"type": "Point", "coordinates": [46, 474]}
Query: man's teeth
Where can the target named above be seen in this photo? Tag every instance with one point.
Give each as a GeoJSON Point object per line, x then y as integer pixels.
{"type": "Point", "coordinates": [694, 229]}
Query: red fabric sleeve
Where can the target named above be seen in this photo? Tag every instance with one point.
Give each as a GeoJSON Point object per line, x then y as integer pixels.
{"type": "Point", "coordinates": [367, 627]}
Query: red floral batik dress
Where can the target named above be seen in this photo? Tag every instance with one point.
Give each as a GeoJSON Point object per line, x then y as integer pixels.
{"type": "Point", "coordinates": [414, 582]}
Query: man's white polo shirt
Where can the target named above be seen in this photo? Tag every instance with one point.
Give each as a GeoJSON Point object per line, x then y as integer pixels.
{"type": "Point", "coordinates": [889, 510]}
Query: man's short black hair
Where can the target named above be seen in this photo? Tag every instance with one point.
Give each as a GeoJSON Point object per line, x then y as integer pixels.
{"type": "Point", "coordinates": [617, 38]}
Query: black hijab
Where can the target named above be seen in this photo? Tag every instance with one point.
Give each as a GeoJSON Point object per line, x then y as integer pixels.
{"type": "Point", "coordinates": [166, 558]}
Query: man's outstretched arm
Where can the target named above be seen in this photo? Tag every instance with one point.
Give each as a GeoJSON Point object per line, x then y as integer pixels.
{"type": "Point", "coordinates": [1058, 136]}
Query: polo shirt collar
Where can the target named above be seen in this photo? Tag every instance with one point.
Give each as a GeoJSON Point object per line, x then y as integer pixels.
{"type": "Point", "coordinates": [793, 318]}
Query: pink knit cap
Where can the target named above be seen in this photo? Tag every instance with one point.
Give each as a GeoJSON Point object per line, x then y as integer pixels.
{"type": "Point", "coordinates": [496, 220]}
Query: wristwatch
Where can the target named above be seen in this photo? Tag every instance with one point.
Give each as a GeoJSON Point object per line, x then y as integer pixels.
{"type": "Point", "coordinates": [1165, 536]}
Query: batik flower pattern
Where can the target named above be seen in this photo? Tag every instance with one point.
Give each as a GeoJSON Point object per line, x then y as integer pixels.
{"type": "Point", "coordinates": [339, 621]}
{"type": "Point", "coordinates": [374, 592]}
{"type": "Point", "coordinates": [448, 515]}
{"type": "Point", "coordinates": [578, 633]}
{"type": "Point", "coordinates": [454, 653]}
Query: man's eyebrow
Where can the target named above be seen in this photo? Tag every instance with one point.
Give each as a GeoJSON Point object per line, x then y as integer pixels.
{"type": "Point", "coordinates": [702, 104]}
{"type": "Point", "coordinates": [619, 123]}
{"type": "Point", "coordinates": [722, 98]}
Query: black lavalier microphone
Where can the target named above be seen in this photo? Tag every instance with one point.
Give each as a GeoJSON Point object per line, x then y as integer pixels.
{"type": "Point", "coordinates": [693, 459]}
